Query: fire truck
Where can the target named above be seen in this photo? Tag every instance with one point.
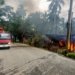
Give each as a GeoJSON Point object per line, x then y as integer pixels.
{"type": "Point", "coordinates": [5, 39]}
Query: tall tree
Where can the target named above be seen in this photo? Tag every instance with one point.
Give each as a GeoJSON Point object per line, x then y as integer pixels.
{"type": "Point", "coordinates": [36, 20]}
{"type": "Point", "coordinates": [6, 16]}
{"type": "Point", "coordinates": [40, 22]}
{"type": "Point", "coordinates": [53, 13]}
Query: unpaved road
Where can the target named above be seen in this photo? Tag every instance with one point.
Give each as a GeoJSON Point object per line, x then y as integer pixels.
{"type": "Point", "coordinates": [33, 61]}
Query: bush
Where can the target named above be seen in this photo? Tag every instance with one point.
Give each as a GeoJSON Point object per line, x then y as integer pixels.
{"type": "Point", "coordinates": [64, 52]}
{"type": "Point", "coordinates": [71, 55]}
{"type": "Point", "coordinates": [37, 41]}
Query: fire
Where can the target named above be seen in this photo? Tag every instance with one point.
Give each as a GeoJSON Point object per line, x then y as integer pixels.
{"type": "Point", "coordinates": [71, 47]}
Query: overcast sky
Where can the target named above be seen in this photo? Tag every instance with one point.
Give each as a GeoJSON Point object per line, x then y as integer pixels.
{"type": "Point", "coordinates": [39, 5]}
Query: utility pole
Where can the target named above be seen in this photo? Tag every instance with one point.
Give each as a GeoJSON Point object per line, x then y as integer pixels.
{"type": "Point", "coordinates": [69, 25]}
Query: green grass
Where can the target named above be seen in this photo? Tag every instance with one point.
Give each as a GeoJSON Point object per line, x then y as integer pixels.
{"type": "Point", "coordinates": [71, 55]}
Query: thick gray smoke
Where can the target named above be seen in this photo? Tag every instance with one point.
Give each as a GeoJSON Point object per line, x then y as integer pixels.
{"type": "Point", "coordinates": [32, 5]}
{"type": "Point", "coordinates": [29, 5]}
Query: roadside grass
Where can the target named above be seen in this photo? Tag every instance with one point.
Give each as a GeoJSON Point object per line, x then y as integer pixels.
{"type": "Point", "coordinates": [40, 42]}
{"type": "Point", "coordinates": [71, 55]}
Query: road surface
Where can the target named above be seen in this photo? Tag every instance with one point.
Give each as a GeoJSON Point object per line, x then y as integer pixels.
{"type": "Point", "coordinates": [33, 61]}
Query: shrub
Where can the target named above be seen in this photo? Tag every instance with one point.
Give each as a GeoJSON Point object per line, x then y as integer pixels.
{"type": "Point", "coordinates": [36, 41]}
{"type": "Point", "coordinates": [71, 55]}
{"type": "Point", "coordinates": [63, 51]}
{"type": "Point", "coordinates": [39, 41]}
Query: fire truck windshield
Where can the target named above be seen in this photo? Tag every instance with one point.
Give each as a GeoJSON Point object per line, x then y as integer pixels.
{"type": "Point", "coordinates": [4, 36]}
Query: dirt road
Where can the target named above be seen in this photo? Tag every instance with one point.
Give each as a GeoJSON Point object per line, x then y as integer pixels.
{"type": "Point", "coordinates": [33, 61]}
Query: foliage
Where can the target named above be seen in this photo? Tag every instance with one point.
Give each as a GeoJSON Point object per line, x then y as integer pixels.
{"type": "Point", "coordinates": [1, 2]}
{"type": "Point", "coordinates": [53, 15]}
{"type": "Point", "coordinates": [40, 22]}
{"type": "Point", "coordinates": [71, 55]}
{"type": "Point", "coordinates": [6, 16]}
{"type": "Point", "coordinates": [63, 51]}
{"type": "Point", "coordinates": [36, 40]}
{"type": "Point", "coordinates": [15, 23]}
{"type": "Point", "coordinates": [39, 40]}
{"type": "Point", "coordinates": [21, 26]}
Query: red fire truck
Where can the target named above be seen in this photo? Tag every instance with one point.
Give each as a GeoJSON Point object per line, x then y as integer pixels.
{"type": "Point", "coordinates": [5, 39]}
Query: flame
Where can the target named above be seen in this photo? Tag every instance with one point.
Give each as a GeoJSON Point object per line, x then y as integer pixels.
{"type": "Point", "coordinates": [71, 47]}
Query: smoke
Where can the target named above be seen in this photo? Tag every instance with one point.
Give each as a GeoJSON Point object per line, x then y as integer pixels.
{"type": "Point", "coordinates": [12, 3]}
{"type": "Point", "coordinates": [65, 8]}
{"type": "Point", "coordinates": [30, 6]}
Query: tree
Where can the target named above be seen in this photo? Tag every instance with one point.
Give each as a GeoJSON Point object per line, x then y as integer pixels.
{"type": "Point", "coordinates": [1, 2]}
{"type": "Point", "coordinates": [6, 17]}
{"type": "Point", "coordinates": [53, 14]}
{"type": "Point", "coordinates": [36, 20]}
{"type": "Point", "coordinates": [40, 22]}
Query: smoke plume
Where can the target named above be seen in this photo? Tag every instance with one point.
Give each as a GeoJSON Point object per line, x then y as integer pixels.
{"type": "Point", "coordinates": [30, 6]}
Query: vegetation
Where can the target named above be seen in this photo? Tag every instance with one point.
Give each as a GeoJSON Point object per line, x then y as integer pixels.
{"type": "Point", "coordinates": [31, 29]}
{"type": "Point", "coordinates": [1, 2]}
{"type": "Point", "coordinates": [21, 26]}
{"type": "Point", "coordinates": [71, 55]}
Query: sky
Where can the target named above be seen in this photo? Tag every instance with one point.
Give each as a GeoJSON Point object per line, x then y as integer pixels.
{"type": "Point", "coordinates": [38, 5]}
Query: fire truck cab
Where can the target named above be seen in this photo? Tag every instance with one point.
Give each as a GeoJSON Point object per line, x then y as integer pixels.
{"type": "Point", "coordinates": [5, 39]}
